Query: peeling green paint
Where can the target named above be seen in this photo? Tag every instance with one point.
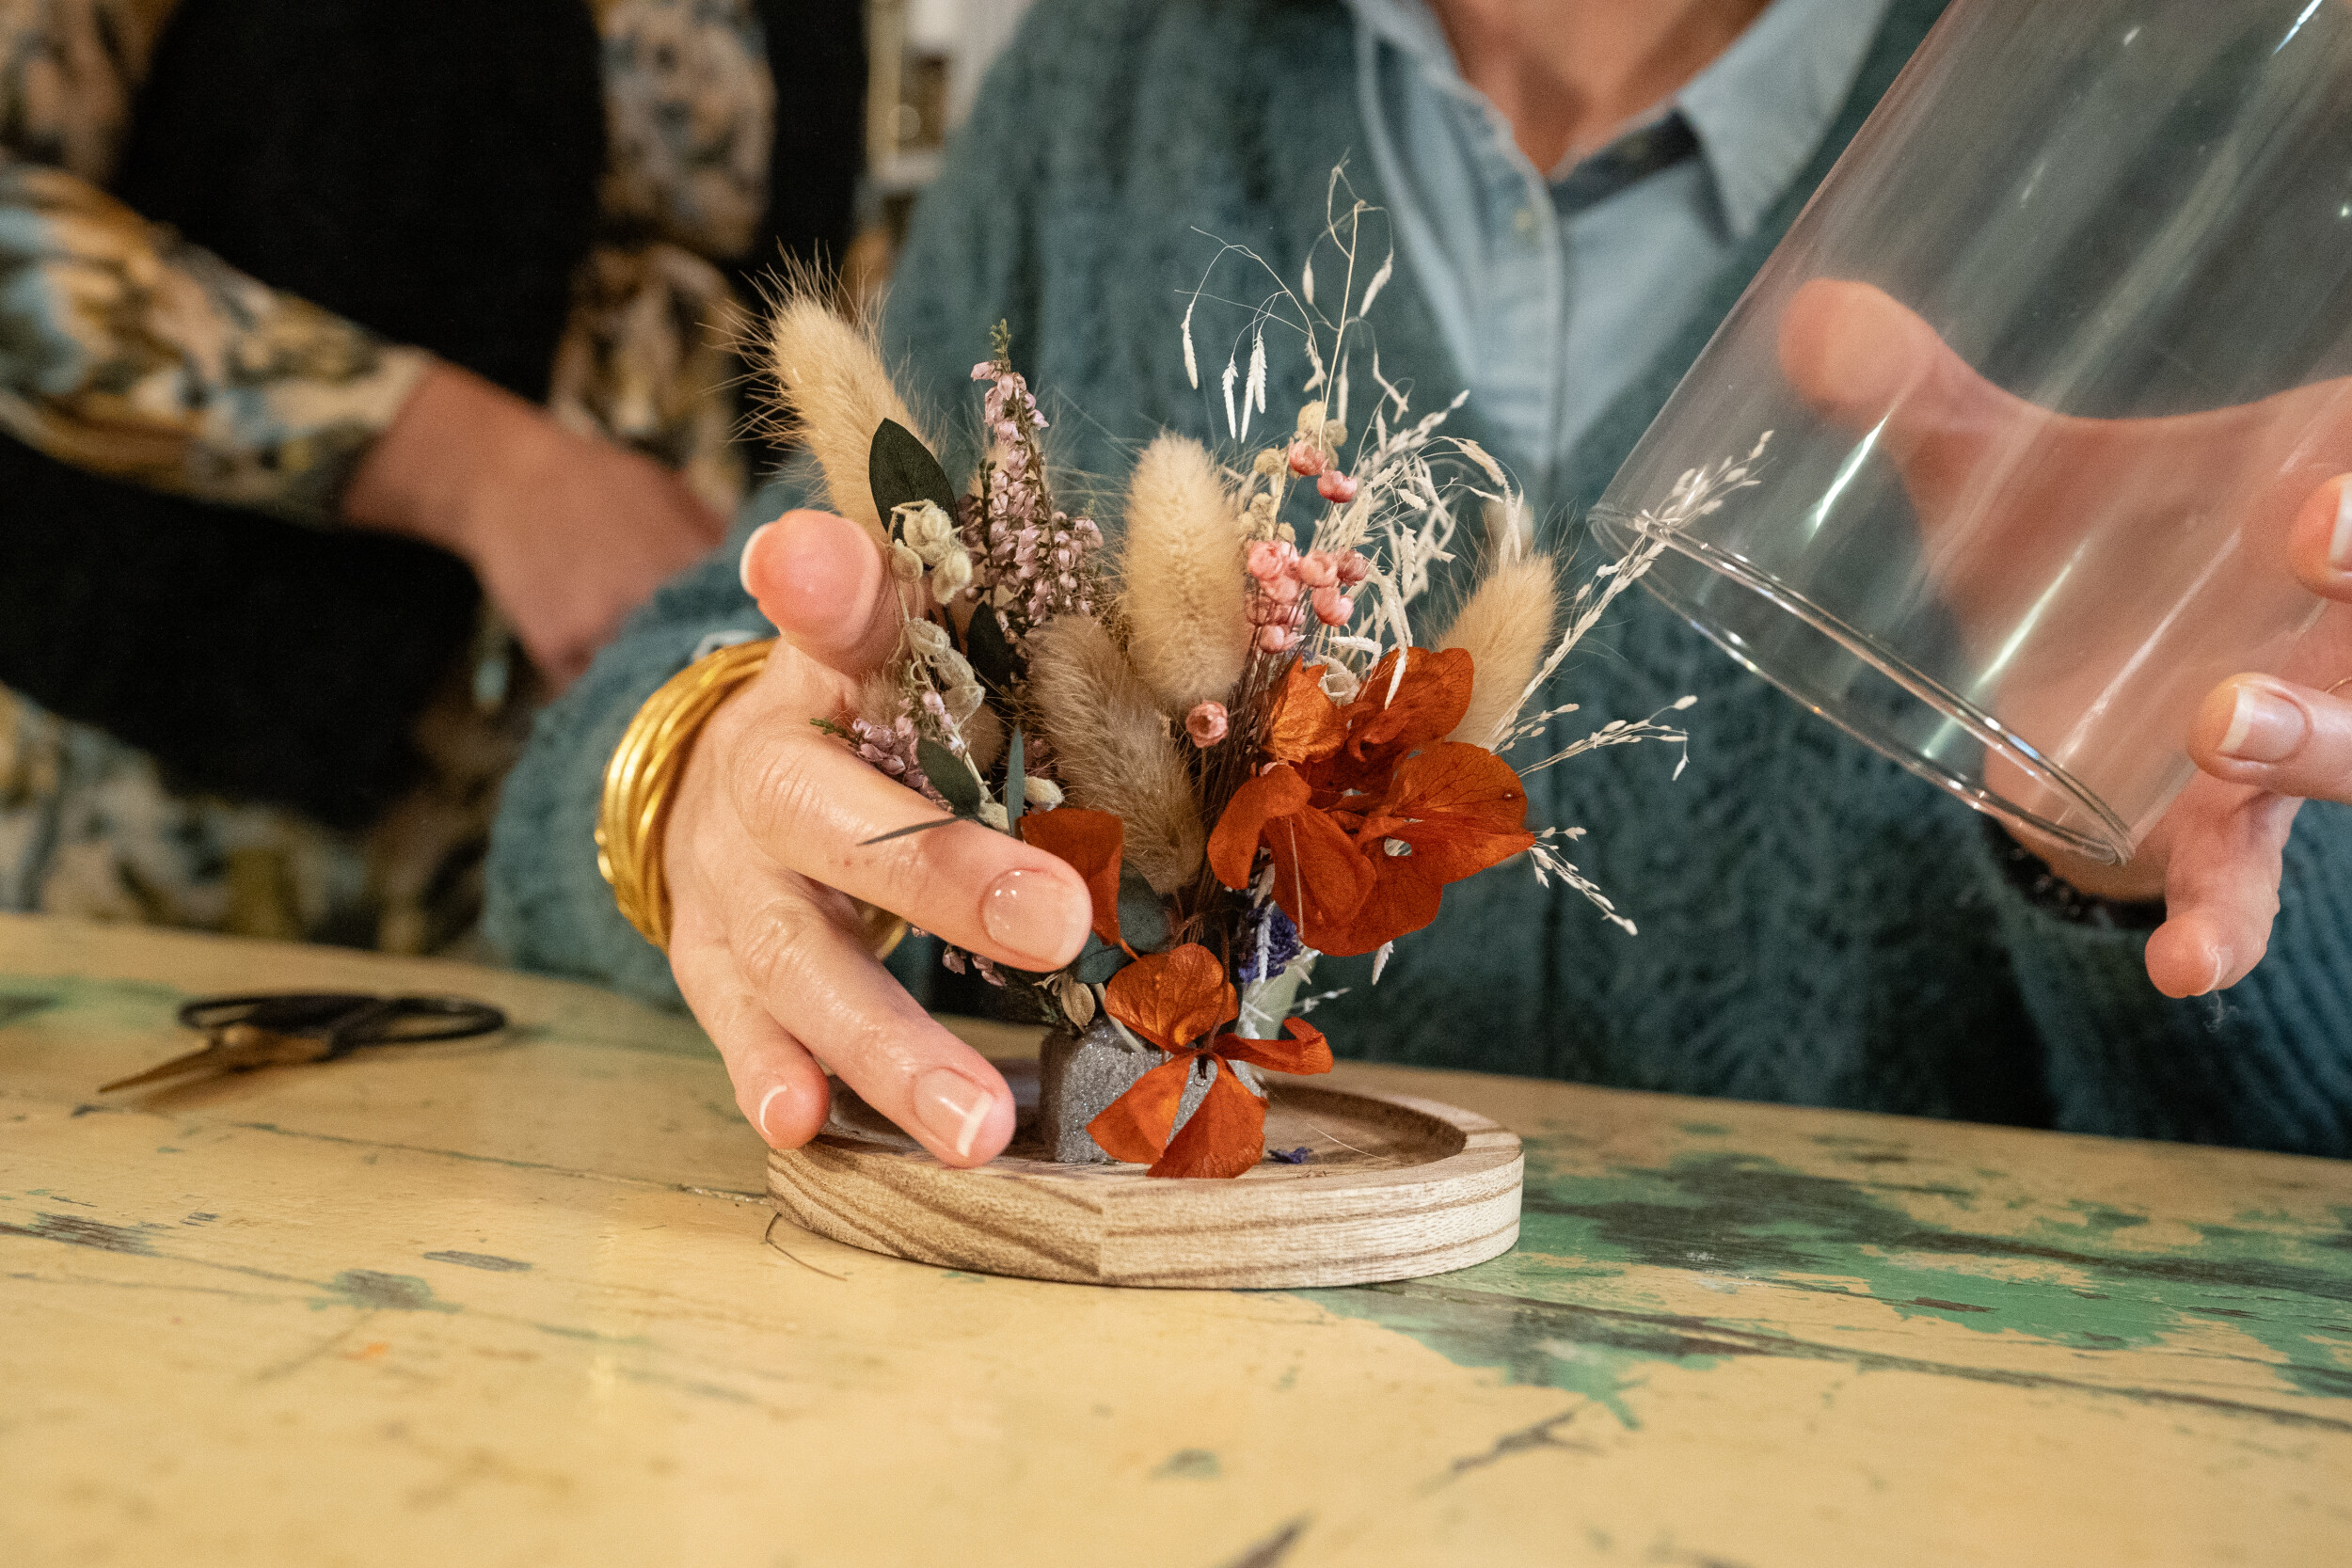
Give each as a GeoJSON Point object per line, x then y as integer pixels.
{"type": "Point", "coordinates": [1565, 1310]}
{"type": "Point", "coordinates": [376, 1291]}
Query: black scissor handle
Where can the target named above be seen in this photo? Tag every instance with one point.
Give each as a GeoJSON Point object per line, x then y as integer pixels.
{"type": "Point", "coordinates": [284, 1012]}
{"type": "Point", "coordinates": [348, 1020]}
{"type": "Point", "coordinates": [413, 1019]}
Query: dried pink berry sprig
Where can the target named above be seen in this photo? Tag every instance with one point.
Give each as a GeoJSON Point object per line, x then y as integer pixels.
{"type": "Point", "coordinates": [1286, 587]}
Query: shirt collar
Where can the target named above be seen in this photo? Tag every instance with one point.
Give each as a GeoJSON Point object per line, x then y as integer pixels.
{"type": "Point", "coordinates": [1762, 107]}
{"type": "Point", "coordinates": [1758, 110]}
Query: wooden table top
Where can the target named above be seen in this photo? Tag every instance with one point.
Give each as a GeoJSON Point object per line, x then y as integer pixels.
{"type": "Point", "coordinates": [518, 1301]}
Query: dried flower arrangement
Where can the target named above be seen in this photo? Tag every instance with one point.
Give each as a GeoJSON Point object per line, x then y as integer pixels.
{"type": "Point", "coordinates": [1235, 740]}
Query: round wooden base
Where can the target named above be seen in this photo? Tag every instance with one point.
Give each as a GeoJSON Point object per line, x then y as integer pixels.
{"type": "Point", "coordinates": [1393, 1188]}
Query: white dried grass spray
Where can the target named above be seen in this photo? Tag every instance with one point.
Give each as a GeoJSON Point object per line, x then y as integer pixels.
{"type": "Point", "coordinates": [1112, 747]}
{"type": "Point", "coordinates": [835, 393]}
{"type": "Point", "coordinates": [1504, 627]}
{"type": "Point", "coordinates": [1188, 625]}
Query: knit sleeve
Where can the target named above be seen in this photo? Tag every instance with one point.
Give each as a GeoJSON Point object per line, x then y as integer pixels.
{"type": "Point", "coordinates": [548, 907]}
{"type": "Point", "coordinates": [2265, 1063]}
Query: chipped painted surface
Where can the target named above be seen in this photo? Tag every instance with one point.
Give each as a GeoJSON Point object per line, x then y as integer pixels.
{"type": "Point", "coordinates": [2029, 1271]}
{"type": "Point", "coordinates": [512, 1305]}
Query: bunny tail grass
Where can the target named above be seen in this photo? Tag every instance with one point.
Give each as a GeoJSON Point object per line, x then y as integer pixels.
{"type": "Point", "coordinates": [1504, 629]}
{"type": "Point", "coordinates": [833, 394]}
{"type": "Point", "coordinates": [983, 736]}
{"type": "Point", "coordinates": [1113, 749]}
{"type": "Point", "coordinates": [1188, 632]}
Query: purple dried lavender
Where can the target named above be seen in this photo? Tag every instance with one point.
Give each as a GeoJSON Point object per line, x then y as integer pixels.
{"type": "Point", "coordinates": [1268, 944]}
{"type": "Point", "coordinates": [1034, 562]}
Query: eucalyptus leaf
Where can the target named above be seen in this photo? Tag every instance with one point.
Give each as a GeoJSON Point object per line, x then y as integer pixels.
{"type": "Point", "coordinates": [991, 654]}
{"type": "Point", "coordinates": [1097, 962]}
{"type": "Point", "coordinates": [950, 775]}
{"type": "Point", "coordinates": [1142, 918]}
{"type": "Point", "coordinates": [1016, 782]}
{"type": "Point", "coordinates": [901, 468]}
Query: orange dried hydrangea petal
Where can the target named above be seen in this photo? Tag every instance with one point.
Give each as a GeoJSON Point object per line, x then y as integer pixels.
{"type": "Point", "coordinates": [1304, 1052]}
{"type": "Point", "coordinates": [1320, 878]}
{"type": "Point", "coordinates": [1233, 843]}
{"type": "Point", "coordinates": [1304, 724]}
{"type": "Point", "coordinates": [1134, 1127]}
{"type": "Point", "coordinates": [1172, 998]}
{"type": "Point", "coordinates": [1092, 843]}
{"type": "Point", "coordinates": [1426, 706]}
{"type": "Point", "coordinates": [1224, 1136]}
{"type": "Point", "coordinates": [1460, 807]}
{"type": "Point", "coordinates": [1402, 901]}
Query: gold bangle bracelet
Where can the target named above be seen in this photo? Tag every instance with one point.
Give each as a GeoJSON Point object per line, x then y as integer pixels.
{"type": "Point", "coordinates": [642, 775]}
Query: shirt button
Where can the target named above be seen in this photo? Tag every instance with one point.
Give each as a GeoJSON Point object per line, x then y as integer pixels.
{"type": "Point", "coordinates": [1523, 223]}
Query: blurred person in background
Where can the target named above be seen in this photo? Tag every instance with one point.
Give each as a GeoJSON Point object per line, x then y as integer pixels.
{"type": "Point", "coordinates": [1579, 191]}
{"type": "Point", "coordinates": [345, 346]}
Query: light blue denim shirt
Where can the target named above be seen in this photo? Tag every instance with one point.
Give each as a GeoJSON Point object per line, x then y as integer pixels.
{"type": "Point", "coordinates": [1554, 289]}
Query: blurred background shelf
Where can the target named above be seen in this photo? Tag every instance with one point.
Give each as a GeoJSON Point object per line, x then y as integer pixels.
{"type": "Point", "coordinates": [927, 58]}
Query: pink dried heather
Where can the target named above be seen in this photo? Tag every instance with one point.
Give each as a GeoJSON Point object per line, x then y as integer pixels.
{"type": "Point", "coordinates": [1034, 562]}
{"type": "Point", "coordinates": [890, 749]}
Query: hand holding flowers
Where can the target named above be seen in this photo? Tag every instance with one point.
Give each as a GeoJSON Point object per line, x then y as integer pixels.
{"type": "Point", "coordinates": [1148, 791]}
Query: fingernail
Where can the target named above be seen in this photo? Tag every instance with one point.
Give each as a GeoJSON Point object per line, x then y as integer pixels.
{"type": "Point", "coordinates": [743, 561]}
{"type": "Point", "coordinates": [951, 1108]}
{"type": "Point", "coordinates": [1033, 914]}
{"type": "Point", "coordinates": [766, 1130]}
{"type": "Point", "coordinates": [2264, 726]}
{"type": "Point", "coordinates": [2339, 542]}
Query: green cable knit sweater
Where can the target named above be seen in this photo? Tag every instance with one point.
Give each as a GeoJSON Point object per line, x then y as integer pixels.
{"type": "Point", "coordinates": [1818, 926]}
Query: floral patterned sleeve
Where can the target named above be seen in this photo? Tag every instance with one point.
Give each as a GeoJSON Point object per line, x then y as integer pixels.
{"type": "Point", "coordinates": [127, 351]}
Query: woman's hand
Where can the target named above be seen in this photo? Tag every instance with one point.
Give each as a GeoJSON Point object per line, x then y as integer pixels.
{"type": "Point", "coordinates": [765, 850]}
{"type": "Point", "coordinates": [567, 534]}
{"type": "Point", "coordinates": [2262, 744]}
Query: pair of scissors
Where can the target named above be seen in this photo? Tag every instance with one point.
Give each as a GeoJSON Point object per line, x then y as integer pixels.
{"type": "Point", "coordinates": [283, 1028]}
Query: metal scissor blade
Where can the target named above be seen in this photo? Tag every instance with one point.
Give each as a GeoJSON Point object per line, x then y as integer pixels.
{"type": "Point", "coordinates": [201, 1059]}
{"type": "Point", "coordinates": [231, 1049]}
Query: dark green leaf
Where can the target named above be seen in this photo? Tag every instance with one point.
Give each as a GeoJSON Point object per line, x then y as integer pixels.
{"type": "Point", "coordinates": [1097, 963]}
{"type": "Point", "coordinates": [991, 653]}
{"type": "Point", "coordinates": [1016, 782]}
{"type": "Point", "coordinates": [950, 775]}
{"type": "Point", "coordinates": [901, 470]}
{"type": "Point", "coordinates": [1142, 918]}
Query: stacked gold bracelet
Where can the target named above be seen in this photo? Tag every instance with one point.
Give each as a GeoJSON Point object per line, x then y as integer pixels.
{"type": "Point", "coordinates": [643, 774]}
